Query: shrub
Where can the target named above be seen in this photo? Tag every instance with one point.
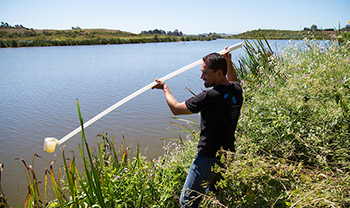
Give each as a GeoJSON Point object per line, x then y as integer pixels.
{"type": "Point", "coordinates": [298, 107]}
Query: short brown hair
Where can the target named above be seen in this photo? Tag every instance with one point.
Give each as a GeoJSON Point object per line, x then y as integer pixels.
{"type": "Point", "coordinates": [216, 62]}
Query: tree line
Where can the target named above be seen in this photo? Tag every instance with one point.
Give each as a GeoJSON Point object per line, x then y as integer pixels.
{"type": "Point", "coordinates": [7, 25]}
{"type": "Point", "coordinates": [314, 28]}
{"type": "Point", "coordinates": [162, 32]}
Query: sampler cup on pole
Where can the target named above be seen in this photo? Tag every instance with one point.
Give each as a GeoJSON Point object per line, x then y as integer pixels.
{"type": "Point", "coordinates": [50, 144]}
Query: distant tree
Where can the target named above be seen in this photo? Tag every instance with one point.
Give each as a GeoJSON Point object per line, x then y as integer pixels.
{"type": "Point", "coordinates": [178, 33]}
{"type": "Point", "coordinates": [162, 32]}
{"type": "Point", "coordinates": [20, 27]}
{"type": "Point", "coordinates": [313, 28]}
{"type": "Point", "coordinates": [175, 33]}
{"type": "Point", "coordinates": [5, 25]}
{"type": "Point", "coordinates": [154, 32]}
{"type": "Point", "coordinates": [347, 27]}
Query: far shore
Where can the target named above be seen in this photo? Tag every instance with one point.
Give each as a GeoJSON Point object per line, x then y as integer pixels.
{"type": "Point", "coordinates": [24, 37]}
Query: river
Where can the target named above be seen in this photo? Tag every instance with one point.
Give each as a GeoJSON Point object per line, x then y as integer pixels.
{"type": "Point", "coordinates": [39, 87]}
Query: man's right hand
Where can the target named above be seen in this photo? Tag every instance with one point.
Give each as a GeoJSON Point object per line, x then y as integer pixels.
{"type": "Point", "coordinates": [160, 84]}
{"type": "Point", "coordinates": [175, 107]}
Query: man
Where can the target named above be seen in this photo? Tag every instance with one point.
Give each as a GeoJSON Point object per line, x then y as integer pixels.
{"type": "Point", "coordinates": [220, 109]}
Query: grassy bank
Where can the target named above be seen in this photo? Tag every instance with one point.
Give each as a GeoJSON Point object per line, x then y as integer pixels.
{"type": "Point", "coordinates": [292, 144]}
{"type": "Point", "coordinates": [286, 34]}
{"type": "Point", "coordinates": [13, 37]}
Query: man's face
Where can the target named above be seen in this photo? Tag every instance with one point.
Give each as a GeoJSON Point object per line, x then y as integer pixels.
{"type": "Point", "coordinates": [208, 75]}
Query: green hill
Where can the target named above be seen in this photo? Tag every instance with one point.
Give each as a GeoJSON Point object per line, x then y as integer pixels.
{"type": "Point", "coordinates": [284, 34]}
{"type": "Point", "coordinates": [24, 37]}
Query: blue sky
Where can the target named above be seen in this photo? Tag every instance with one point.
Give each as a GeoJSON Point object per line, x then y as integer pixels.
{"type": "Point", "coordinates": [188, 16]}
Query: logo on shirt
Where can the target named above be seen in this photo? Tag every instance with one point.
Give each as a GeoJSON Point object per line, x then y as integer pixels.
{"type": "Point", "coordinates": [234, 100]}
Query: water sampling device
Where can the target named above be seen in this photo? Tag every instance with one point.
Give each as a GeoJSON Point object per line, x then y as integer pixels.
{"type": "Point", "coordinates": [51, 142]}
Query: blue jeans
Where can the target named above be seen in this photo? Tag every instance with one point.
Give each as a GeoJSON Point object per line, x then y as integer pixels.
{"type": "Point", "coordinates": [200, 180]}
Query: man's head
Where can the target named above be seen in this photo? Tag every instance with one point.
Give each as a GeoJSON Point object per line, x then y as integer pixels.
{"type": "Point", "coordinates": [216, 62]}
{"type": "Point", "coordinates": [214, 69]}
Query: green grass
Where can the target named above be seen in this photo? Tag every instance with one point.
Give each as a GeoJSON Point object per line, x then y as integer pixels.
{"type": "Point", "coordinates": [292, 146]}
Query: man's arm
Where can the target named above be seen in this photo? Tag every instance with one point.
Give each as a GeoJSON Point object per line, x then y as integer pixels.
{"type": "Point", "coordinates": [175, 107]}
{"type": "Point", "coordinates": [231, 74]}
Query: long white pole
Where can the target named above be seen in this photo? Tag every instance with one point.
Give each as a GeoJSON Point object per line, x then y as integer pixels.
{"type": "Point", "coordinates": [138, 92]}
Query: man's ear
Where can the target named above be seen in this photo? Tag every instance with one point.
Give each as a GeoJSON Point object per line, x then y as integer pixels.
{"type": "Point", "coordinates": [220, 73]}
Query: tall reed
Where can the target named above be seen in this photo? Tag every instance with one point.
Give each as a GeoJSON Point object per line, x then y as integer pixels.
{"type": "Point", "coordinates": [3, 199]}
{"type": "Point", "coordinates": [257, 57]}
{"type": "Point", "coordinates": [112, 178]}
